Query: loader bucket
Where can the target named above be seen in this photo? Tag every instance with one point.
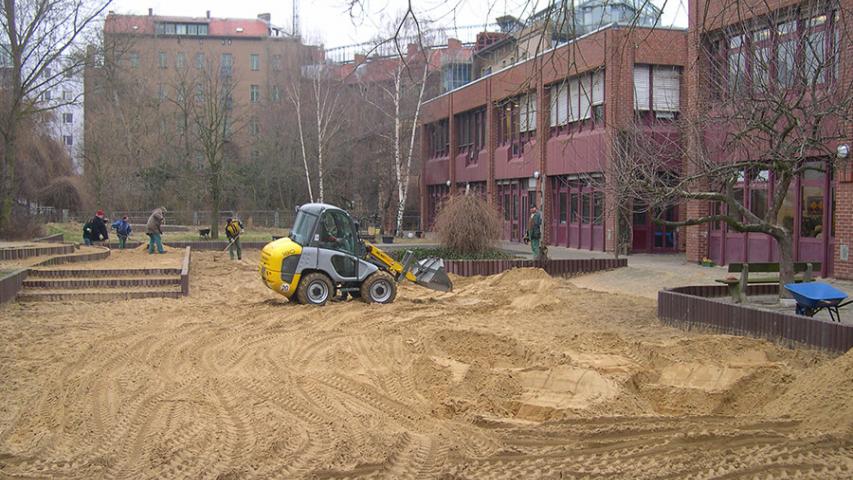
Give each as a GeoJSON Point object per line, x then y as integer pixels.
{"type": "Point", "coordinates": [430, 274]}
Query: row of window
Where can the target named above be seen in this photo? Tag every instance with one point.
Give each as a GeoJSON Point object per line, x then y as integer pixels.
{"type": "Point", "coordinates": [799, 48]}
{"type": "Point", "coordinates": [471, 131]}
{"type": "Point", "coordinates": [254, 93]}
{"type": "Point", "coordinates": [226, 61]}
{"type": "Point", "coordinates": [657, 89]}
{"type": "Point", "coordinates": [188, 29]}
{"type": "Point", "coordinates": [580, 207]}
{"type": "Point", "coordinates": [517, 122]}
{"type": "Point", "coordinates": [67, 95]}
{"type": "Point", "coordinates": [755, 189]}
{"type": "Point", "coordinates": [578, 98]}
{"type": "Point", "coordinates": [438, 139]}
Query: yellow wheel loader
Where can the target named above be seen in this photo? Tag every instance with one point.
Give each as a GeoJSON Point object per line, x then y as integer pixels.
{"type": "Point", "coordinates": [323, 256]}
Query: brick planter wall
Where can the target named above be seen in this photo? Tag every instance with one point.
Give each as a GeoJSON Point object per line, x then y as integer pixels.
{"type": "Point", "coordinates": [698, 307]}
{"type": "Point", "coordinates": [562, 268]}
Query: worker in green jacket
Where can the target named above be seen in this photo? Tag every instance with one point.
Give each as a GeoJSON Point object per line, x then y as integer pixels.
{"type": "Point", "coordinates": [534, 231]}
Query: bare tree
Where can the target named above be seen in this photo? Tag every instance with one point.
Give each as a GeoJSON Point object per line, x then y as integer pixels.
{"type": "Point", "coordinates": [39, 38]}
{"type": "Point", "coordinates": [774, 106]}
{"type": "Point", "coordinates": [294, 95]}
{"type": "Point", "coordinates": [215, 120]}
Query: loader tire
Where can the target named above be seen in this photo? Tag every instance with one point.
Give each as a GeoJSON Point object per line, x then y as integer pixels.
{"type": "Point", "coordinates": [315, 289]}
{"type": "Point", "coordinates": [379, 287]}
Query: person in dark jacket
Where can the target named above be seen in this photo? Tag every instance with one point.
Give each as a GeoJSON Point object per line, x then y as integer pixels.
{"type": "Point", "coordinates": [96, 229]}
{"type": "Point", "coordinates": [534, 231]}
{"type": "Point", "coordinates": [154, 230]}
{"type": "Point", "coordinates": [123, 230]}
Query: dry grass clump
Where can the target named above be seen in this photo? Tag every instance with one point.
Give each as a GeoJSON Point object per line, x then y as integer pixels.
{"type": "Point", "coordinates": [467, 224]}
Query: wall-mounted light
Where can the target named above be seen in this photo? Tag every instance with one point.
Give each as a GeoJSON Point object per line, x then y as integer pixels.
{"type": "Point", "coordinates": [447, 183]}
{"type": "Point", "coordinates": [843, 151]}
{"type": "Point", "coordinates": [536, 174]}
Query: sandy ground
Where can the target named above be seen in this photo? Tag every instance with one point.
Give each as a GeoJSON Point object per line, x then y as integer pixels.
{"type": "Point", "coordinates": [514, 376]}
{"type": "Point", "coordinates": [132, 258]}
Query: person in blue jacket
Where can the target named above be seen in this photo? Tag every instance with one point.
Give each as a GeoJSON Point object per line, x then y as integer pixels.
{"type": "Point", "coordinates": [123, 230]}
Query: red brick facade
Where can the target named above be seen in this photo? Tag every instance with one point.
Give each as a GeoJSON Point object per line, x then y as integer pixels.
{"type": "Point", "coordinates": [714, 16]}
{"type": "Point", "coordinates": [844, 225]}
{"type": "Point", "coordinates": [560, 153]}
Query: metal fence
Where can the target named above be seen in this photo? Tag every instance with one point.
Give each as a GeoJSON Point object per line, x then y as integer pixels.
{"type": "Point", "coordinates": [257, 218]}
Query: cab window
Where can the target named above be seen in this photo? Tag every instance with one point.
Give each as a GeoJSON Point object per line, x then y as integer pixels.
{"type": "Point", "coordinates": [336, 232]}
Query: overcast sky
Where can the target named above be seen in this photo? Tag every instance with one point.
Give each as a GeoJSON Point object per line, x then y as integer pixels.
{"type": "Point", "coordinates": [328, 22]}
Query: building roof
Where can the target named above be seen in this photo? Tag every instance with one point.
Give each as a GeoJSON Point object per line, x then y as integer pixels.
{"type": "Point", "coordinates": [216, 27]}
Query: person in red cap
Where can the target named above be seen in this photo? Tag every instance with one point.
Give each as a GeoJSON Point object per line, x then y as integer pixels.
{"type": "Point", "coordinates": [96, 229]}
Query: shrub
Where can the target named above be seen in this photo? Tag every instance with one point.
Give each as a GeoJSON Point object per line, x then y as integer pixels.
{"type": "Point", "coordinates": [22, 227]}
{"type": "Point", "coordinates": [468, 225]}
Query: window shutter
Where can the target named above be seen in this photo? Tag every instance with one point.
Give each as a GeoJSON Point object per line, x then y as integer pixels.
{"type": "Point", "coordinates": [555, 104]}
{"type": "Point", "coordinates": [585, 96]}
{"type": "Point", "coordinates": [574, 97]}
{"type": "Point", "coordinates": [598, 87]}
{"type": "Point", "coordinates": [667, 89]}
{"type": "Point", "coordinates": [641, 87]}
{"type": "Point", "coordinates": [563, 116]}
{"type": "Point", "coordinates": [531, 111]}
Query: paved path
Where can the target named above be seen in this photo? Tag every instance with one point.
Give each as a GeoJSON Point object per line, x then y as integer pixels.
{"type": "Point", "coordinates": [646, 274]}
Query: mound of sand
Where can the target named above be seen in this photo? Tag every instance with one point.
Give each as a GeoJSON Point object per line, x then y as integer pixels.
{"type": "Point", "coordinates": [822, 397]}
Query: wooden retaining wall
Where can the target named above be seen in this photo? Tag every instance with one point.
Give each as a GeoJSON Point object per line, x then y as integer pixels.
{"type": "Point", "coordinates": [699, 307]}
{"type": "Point", "coordinates": [17, 253]}
{"type": "Point", "coordinates": [561, 268]}
{"type": "Point", "coordinates": [75, 258]}
{"type": "Point", "coordinates": [11, 283]}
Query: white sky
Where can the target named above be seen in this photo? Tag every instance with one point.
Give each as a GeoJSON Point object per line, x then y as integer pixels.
{"type": "Point", "coordinates": [328, 22]}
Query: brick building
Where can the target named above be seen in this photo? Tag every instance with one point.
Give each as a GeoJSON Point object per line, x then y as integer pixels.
{"type": "Point", "coordinates": [160, 61]}
{"type": "Point", "coordinates": [792, 36]}
{"type": "Point", "coordinates": [540, 132]}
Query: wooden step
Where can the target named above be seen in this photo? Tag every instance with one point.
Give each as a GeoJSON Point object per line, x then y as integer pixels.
{"type": "Point", "coordinates": [102, 282]}
{"type": "Point", "coordinates": [97, 295]}
{"type": "Point", "coordinates": [100, 273]}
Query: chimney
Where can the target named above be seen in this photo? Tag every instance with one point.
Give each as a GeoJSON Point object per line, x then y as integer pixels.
{"type": "Point", "coordinates": [150, 11]}
{"type": "Point", "coordinates": [360, 59]}
{"type": "Point", "coordinates": [208, 14]}
{"type": "Point", "coordinates": [265, 17]}
{"type": "Point", "coordinates": [411, 49]}
{"type": "Point", "coordinates": [453, 44]}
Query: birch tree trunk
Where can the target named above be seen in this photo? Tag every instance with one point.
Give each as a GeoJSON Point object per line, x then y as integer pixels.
{"type": "Point", "coordinates": [297, 104]}
{"type": "Point", "coordinates": [404, 187]}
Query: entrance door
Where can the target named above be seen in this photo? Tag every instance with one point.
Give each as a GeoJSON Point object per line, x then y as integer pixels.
{"type": "Point", "coordinates": [641, 228]}
{"type": "Point", "coordinates": [665, 239]}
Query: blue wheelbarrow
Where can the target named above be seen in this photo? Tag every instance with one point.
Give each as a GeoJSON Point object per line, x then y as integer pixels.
{"type": "Point", "coordinates": [813, 297]}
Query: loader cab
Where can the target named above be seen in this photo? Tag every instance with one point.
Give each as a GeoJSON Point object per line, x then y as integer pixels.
{"type": "Point", "coordinates": [333, 231]}
{"type": "Point", "coordinates": [325, 226]}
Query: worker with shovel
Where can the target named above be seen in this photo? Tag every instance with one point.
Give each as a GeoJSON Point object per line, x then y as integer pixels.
{"type": "Point", "coordinates": [233, 230]}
